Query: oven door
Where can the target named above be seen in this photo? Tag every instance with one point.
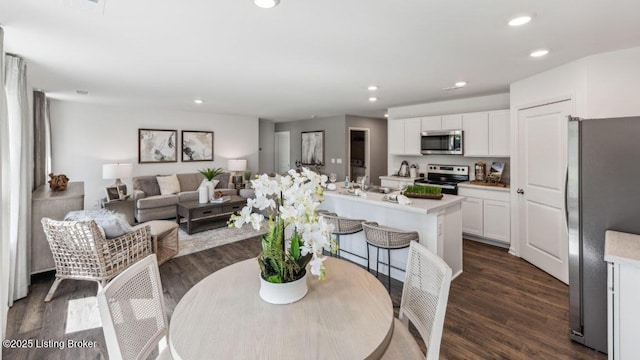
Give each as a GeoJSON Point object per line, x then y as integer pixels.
{"type": "Point", "coordinates": [441, 142]}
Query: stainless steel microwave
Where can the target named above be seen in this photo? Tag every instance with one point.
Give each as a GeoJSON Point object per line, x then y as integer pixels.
{"type": "Point", "coordinates": [441, 142]}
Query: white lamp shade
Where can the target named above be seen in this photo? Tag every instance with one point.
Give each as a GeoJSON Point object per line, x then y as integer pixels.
{"type": "Point", "coordinates": [237, 165]}
{"type": "Point", "coordinates": [117, 171]}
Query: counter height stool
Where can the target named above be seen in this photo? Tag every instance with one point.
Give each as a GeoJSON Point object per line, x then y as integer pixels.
{"type": "Point", "coordinates": [343, 226]}
{"type": "Point", "coordinates": [382, 237]}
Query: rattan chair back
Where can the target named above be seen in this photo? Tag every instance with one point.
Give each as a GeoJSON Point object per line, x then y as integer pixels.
{"type": "Point", "coordinates": [132, 311]}
{"type": "Point", "coordinates": [342, 225]}
{"type": "Point", "coordinates": [425, 294]}
{"type": "Point", "coordinates": [81, 252]}
{"type": "Point", "coordinates": [386, 237]}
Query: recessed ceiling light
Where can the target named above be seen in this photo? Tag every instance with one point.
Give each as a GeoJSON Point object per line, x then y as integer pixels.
{"type": "Point", "coordinates": [198, 101]}
{"type": "Point", "coordinates": [82, 92]}
{"type": "Point", "coordinates": [386, 115]}
{"type": "Point", "coordinates": [520, 20]}
{"type": "Point", "coordinates": [266, 4]}
{"type": "Point", "coordinates": [461, 84]}
{"type": "Point", "coordinates": [373, 99]}
{"type": "Point", "coordinates": [539, 53]}
{"type": "Point", "coordinates": [372, 88]}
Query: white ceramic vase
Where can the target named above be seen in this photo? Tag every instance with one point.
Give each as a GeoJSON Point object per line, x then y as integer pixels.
{"type": "Point", "coordinates": [284, 293]}
{"type": "Point", "coordinates": [210, 188]}
{"type": "Point", "coordinates": [203, 195]}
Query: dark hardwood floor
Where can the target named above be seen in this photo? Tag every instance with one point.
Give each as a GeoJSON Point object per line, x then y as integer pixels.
{"type": "Point", "coordinates": [501, 307]}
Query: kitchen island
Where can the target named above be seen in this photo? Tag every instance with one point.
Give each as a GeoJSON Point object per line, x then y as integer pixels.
{"type": "Point", "coordinates": [438, 222]}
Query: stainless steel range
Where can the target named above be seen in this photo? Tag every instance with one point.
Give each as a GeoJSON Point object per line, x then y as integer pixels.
{"type": "Point", "coordinates": [445, 176]}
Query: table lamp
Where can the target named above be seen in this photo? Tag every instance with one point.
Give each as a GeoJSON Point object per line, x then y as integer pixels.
{"type": "Point", "coordinates": [117, 171]}
{"type": "Point", "coordinates": [235, 166]}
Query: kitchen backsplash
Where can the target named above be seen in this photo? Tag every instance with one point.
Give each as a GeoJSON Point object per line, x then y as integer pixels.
{"type": "Point", "coordinates": [422, 161]}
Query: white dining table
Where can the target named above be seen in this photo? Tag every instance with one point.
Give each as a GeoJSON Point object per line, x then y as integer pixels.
{"type": "Point", "coordinates": [349, 315]}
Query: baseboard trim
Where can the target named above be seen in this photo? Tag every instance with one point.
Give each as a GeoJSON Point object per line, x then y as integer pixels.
{"type": "Point", "coordinates": [486, 241]}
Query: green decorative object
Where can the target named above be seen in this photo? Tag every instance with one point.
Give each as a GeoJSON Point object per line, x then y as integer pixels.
{"type": "Point", "coordinates": [211, 173]}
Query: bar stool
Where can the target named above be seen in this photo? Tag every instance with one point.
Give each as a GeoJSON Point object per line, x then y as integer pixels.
{"type": "Point", "coordinates": [382, 237]}
{"type": "Point", "coordinates": [342, 226]}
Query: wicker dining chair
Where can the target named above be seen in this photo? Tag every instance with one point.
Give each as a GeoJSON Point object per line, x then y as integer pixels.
{"type": "Point", "coordinates": [81, 252]}
{"type": "Point", "coordinates": [424, 303]}
{"type": "Point", "coordinates": [342, 226]}
{"type": "Point", "coordinates": [382, 237]}
{"type": "Point", "coordinates": [133, 313]}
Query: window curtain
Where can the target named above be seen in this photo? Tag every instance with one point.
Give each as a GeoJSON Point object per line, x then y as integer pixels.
{"type": "Point", "coordinates": [4, 195]}
{"type": "Point", "coordinates": [42, 139]}
{"type": "Point", "coordinates": [20, 179]}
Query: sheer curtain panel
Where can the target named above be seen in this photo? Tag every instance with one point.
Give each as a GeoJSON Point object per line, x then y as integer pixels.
{"type": "Point", "coordinates": [4, 195]}
{"type": "Point", "coordinates": [42, 139]}
{"type": "Point", "coordinates": [20, 170]}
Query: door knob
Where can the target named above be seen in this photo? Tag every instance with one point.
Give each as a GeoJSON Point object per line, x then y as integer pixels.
{"type": "Point", "coordinates": [520, 191]}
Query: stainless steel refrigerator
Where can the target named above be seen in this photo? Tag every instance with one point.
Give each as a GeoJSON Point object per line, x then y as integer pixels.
{"type": "Point", "coordinates": [603, 192]}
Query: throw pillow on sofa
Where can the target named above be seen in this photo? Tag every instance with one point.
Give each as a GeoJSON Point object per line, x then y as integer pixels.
{"type": "Point", "coordinates": [168, 184]}
{"type": "Point", "coordinates": [110, 223]}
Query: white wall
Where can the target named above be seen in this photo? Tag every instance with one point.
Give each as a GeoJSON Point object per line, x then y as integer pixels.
{"type": "Point", "coordinates": [480, 103]}
{"type": "Point", "coordinates": [85, 136]}
{"type": "Point", "coordinates": [600, 86]}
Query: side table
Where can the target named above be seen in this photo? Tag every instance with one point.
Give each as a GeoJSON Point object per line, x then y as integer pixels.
{"type": "Point", "coordinates": [124, 207]}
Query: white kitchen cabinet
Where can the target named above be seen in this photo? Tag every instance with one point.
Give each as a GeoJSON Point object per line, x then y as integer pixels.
{"type": "Point", "coordinates": [499, 134]}
{"type": "Point", "coordinates": [429, 123]}
{"type": "Point", "coordinates": [452, 122]}
{"type": "Point", "coordinates": [486, 133]}
{"type": "Point", "coordinates": [494, 225]}
{"type": "Point", "coordinates": [486, 212]}
{"type": "Point", "coordinates": [476, 133]}
{"type": "Point", "coordinates": [444, 122]}
{"type": "Point", "coordinates": [622, 253]}
{"type": "Point", "coordinates": [395, 136]}
{"type": "Point", "coordinates": [403, 136]}
{"type": "Point", "coordinates": [472, 216]}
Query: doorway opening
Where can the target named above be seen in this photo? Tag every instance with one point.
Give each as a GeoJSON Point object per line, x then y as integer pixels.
{"type": "Point", "coordinates": [282, 151]}
{"type": "Point", "coordinates": [359, 153]}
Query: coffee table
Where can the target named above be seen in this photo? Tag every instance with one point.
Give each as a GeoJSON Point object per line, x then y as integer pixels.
{"type": "Point", "coordinates": [194, 217]}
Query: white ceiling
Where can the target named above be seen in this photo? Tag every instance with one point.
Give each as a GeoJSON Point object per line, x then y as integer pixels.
{"type": "Point", "coordinates": [304, 57]}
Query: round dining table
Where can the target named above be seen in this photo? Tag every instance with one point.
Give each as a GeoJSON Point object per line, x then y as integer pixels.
{"type": "Point", "coordinates": [349, 315]}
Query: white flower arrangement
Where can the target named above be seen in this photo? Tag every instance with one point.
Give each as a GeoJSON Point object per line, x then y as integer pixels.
{"type": "Point", "coordinates": [292, 201]}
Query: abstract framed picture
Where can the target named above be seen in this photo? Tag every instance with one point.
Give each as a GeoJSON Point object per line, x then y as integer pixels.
{"type": "Point", "coordinates": [312, 147]}
{"type": "Point", "coordinates": [197, 145]}
{"type": "Point", "coordinates": [157, 146]}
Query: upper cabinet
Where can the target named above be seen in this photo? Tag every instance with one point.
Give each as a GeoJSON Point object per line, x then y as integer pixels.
{"type": "Point", "coordinates": [444, 122]}
{"type": "Point", "coordinates": [404, 136]}
{"type": "Point", "coordinates": [486, 133]}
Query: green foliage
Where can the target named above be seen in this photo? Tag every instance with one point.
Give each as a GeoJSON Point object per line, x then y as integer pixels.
{"type": "Point", "coordinates": [277, 265]}
{"type": "Point", "coordinates": [211, 173]}
{"type": "Point", "coordinates": [423, 189]}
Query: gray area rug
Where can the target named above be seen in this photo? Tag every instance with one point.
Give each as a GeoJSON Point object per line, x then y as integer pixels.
{"type": "Point", "coordinates": [189, 244]}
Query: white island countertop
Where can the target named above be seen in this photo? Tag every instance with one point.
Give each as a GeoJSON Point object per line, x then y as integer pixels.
{"type": "Point", "coordinates": [438, 223]}
{"type": "Point", "coordinates": [423, 206]}
{"type": "Point", "coordinates": [622, 247]}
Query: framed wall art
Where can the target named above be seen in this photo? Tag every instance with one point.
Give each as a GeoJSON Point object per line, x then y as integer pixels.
{"type": "Point", "coordinates": [312, 147]}
{"type": "Point", "coordinates": [157, 146]}
{"type": "Point", "coordinates": [197, 145]}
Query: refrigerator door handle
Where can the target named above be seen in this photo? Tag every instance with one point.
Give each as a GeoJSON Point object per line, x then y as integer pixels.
{"type": "Point", "coordinates": [566, 198]}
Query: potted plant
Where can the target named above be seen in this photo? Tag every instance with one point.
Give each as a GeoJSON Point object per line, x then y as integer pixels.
{"type": "Point", "coordinates": [209, 174]}
{"type": "Point", "coordinates": [296, 236]}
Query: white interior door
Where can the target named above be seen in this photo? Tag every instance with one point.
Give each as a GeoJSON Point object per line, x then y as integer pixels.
{"type": "Point", "coordinates": [542, 152]}
{"type": "Point", "coordinates": [282, 153]}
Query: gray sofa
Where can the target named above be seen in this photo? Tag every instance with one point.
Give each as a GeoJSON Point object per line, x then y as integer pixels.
{"type": "Point", "coordinates": [151, 205]}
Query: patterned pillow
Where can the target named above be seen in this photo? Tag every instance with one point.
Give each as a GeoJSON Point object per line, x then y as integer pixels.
{"type": "Point", "coordinates": [223, 181]}
{"type": "Point", "coordinates": [112, 224]}
{"type": "Point", "coordinates": [168, 184]}
{"type": "Point", "coordinates": [148, 185]}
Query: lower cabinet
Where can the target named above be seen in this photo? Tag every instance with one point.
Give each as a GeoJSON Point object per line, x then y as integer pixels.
{"type": "Point", "coordinates": [486, 214]}
{"type": "Point", "coordinates": [623, 294]}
